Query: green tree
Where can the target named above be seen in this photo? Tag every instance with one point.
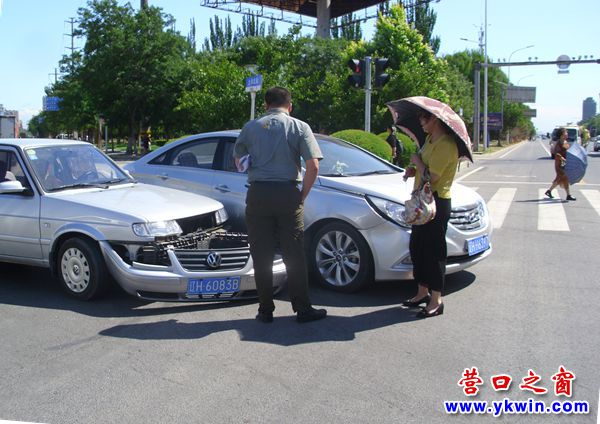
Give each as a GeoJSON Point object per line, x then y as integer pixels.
{"type": "Point", "coordinates": [348, 28]}
{"type": "Point", "coordinates": [221, 35]}
{"type": "Point", "coordinates": [131, 64]}
{"type": "Point", "coordinates": [424, 21]}
{"type": "Point", "coordinates": [414, 70]}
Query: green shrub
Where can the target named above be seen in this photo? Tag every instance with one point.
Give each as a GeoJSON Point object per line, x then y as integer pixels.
{"type": "Point", "coordinates": [409, 146]}
{"type": "Point", "coordinates": [367, 141]}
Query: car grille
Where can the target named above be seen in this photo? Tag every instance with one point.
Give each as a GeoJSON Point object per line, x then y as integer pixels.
{"type": "Point", "coordinates": [196, 260]}
{"type": "Point", "coordinates": [192, 250]}
{"type": "Point", "coordinates": [467, 219]}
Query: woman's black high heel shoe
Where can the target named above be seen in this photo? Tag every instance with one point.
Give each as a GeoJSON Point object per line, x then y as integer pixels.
{"type": "Point", "coordinates": [416, 302]}
{"type": "Point", "coordinates": [435, 312]}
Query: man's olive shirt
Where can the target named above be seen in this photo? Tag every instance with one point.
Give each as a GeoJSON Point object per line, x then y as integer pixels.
{"type": "Point", "coordinates": [275, 143]}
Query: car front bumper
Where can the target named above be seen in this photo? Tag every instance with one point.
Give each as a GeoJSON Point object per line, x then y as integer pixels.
{"type": "Point", "coordinates": [389, 245]}
{"type": "Point", "coordinates": [170, 283]}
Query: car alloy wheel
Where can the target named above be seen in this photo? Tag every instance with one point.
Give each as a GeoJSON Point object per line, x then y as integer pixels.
{"type": "Point", "coordinates": [341, 258]}
{"type": "Point", "coordinates": [82, 272]}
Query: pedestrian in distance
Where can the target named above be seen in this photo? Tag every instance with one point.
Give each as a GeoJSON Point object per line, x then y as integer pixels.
{"type": "Point", "coordinates": [428, 250]}
{"type": "Point", "coordinates": [560, 159]}
{"type": "Point", "coordinates": [395, 144]}
{"type": "Point", "coordinates": [275, 143]}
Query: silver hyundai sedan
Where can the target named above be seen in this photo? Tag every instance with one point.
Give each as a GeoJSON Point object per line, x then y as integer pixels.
{"type": "Point", "coordinates": [355, 233]}
{"type": "Point", "coordinates": [66, 206]}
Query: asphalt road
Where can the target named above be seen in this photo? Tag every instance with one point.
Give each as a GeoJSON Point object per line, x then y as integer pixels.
{"type": "Point", "coordinates": [532, 305]}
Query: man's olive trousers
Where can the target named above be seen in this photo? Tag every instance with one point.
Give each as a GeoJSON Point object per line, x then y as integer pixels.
{"type": "Point", "coordinates": [275, 217]}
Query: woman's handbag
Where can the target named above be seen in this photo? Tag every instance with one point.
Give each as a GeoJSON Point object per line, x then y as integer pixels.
{"type": "Point", "coordinates": [420, 208]}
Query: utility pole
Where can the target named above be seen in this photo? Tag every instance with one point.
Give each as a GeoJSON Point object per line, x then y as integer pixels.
{"type": "Point", "coordinates": [72, 35]}
{"type": "Point", "coordinates": [55, 73]}
{"type": "Point", "coordinates": [143, 4]}
{"type": "Point", "coordinates": [368, 93]}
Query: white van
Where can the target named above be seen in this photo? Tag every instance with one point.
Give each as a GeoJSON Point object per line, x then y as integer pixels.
{"type": "Point", "coordinates": [573, 136]}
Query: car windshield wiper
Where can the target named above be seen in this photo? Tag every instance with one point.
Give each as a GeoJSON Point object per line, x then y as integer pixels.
{"type": "Point", "coordinates": [335, 174]}
{"type": "Point", "coordinates": [116, 181]}
{"type": "Point", "coordinates": [379, 172]}
{"type": "Point", "coordinates": [79, 185]}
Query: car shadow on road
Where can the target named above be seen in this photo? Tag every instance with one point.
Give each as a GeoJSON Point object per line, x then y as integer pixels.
{"type": "Point", "coordinates": [284, 331]}
{"type": "Point", "coordinates": [385, 292]}
{"type": "Point", "coordinates": [35, 288]}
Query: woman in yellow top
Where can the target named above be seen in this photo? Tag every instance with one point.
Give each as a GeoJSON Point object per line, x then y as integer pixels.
{"type": "Point", "coordinates": [428, 249]}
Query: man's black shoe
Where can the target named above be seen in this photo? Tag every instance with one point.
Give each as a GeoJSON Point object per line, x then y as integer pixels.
{"type": "Point", "coordinates": [311, 314]}
{"type": "Point", "coordinates": [265, 317]}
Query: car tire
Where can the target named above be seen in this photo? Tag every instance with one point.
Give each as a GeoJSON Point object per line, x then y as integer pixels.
{"type": "Point", "coordinates": [340, 258]}
{"type": "Point", "coordinates": [81, 269]}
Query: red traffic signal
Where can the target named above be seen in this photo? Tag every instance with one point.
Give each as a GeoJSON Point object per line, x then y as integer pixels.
{"type": "Point", "coordinates": [357, 79]}
{"type": "Point", "coordinates": [381, 78]}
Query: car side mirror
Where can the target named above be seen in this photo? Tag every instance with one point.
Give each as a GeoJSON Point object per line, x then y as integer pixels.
{"type": "Point", "coordinates": [11, 187]}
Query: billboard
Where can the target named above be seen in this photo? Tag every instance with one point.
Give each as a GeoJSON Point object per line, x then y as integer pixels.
{"type": "Point", "coordinates": [494, 121]}
{"type": "Point", "coordinates": [520, 94]}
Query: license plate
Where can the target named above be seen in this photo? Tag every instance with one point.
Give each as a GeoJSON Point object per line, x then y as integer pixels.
{"type": "Point", "coordinates": [478, 244]}
{"type": "Point", "coordinates": [213, 285]}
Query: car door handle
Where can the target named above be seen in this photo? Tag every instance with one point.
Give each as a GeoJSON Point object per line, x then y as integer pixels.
{"type": "Point", "coordinates": [223, 188]}
{"type": "Point", "coordinates": [164, 176]}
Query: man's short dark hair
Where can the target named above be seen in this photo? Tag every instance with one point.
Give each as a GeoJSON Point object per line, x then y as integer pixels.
{"type": "Point", "coordinates": [278, 97]}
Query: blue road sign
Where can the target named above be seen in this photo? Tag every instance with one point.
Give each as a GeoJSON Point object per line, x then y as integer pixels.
{"type": "Point", "coordinates": [51, 103]}
{"type": "Point", "coordinates": [254, 83]}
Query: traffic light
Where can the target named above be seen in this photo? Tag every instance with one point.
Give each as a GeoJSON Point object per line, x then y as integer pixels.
{"type": "Point", "coordinates": [357, 79]}
{"type": "Point", "coordinates": [381, 78]}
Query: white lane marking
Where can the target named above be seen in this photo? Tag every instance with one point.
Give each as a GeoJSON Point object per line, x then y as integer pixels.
{"type": "Point", "coordinates": [592, 196]}
{"type": "Point", "coordinates": [547, 149]}
{"type": "Point", "coordinates": [499, 204]}
{"type": "Point", "coordinates": [469, 173]}
{"type": "Point", "coordinates": [551, 214]}
{"type": "Point", "coordinates": [510, 150]}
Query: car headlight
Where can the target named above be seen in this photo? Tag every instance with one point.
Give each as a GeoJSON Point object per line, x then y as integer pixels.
{"type": "Point", "coordinates": [482, 210]}
{"type": "Point", "coordinates": [221, 216]}
{"type": "Point", "coordinates": [390, 210]}
{"type": "Point", "coordinates": [157, 229]}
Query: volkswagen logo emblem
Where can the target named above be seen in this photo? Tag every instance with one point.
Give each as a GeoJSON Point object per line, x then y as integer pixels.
{"type": "Point", "coordinates": [213, 260]}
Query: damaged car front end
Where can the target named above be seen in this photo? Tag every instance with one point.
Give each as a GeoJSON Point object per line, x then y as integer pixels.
{"type": "Point", "coordinates": [73, 210]}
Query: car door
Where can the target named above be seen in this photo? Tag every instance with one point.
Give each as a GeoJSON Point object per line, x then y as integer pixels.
{"type": "Point", "coordinates": [230, 186]}
{"type": "Point", "coordinates": [19, 213]}
{"type": "Point", "coordinates": [187, 167]}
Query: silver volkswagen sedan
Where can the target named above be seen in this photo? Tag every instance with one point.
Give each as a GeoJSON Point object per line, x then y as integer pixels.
{"type": "Point", "coordinates": [66, 206]}
{"type": "Point", "coordinates": [355, 233]}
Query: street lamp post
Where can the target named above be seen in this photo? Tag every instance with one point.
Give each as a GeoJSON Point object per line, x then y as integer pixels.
{"type": "Point", "coordinates": [510, 56]}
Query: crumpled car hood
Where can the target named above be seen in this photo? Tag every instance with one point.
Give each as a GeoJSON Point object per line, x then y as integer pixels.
{"type": "Point", "coordinates": [393, 187]}
{"type": "Point", "coordinates": [143, 202]}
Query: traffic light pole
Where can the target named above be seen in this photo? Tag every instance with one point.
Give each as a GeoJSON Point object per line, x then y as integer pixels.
{"type": "Point", "coordinates": [368, 93]}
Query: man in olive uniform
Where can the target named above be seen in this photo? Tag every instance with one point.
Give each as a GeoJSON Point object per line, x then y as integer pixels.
{"type": "Point", "coordinates": [275, 203]}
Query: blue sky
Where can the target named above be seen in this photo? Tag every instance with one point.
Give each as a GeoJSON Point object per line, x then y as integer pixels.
{"type": "Point", "coordinates": [33, 34]}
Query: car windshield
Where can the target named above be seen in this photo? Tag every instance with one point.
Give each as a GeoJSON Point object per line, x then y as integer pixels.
{"type": "Point", "coordinates": [341, 159]}
{"type": "Point", "coordinates": [63, 167]}
{"type": "Point", "coordinates": [572, 134]}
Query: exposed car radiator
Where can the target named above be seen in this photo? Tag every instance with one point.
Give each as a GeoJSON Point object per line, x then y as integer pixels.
{"type": "Point", "coordinates": [199, 241]}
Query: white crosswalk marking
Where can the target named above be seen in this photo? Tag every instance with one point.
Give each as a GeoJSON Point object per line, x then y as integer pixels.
{"type": "Point", "coordinates": [551, 214]}
{"type": "Point", "coordinates": [499, 204]}
{"type": "Point", "coordinates": [593, 196]}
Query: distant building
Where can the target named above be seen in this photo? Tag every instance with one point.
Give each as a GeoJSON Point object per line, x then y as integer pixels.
{"type": "Point", "coordinates": [589, 109]}
{"type": "Point", "coordinates": [9, 123]}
